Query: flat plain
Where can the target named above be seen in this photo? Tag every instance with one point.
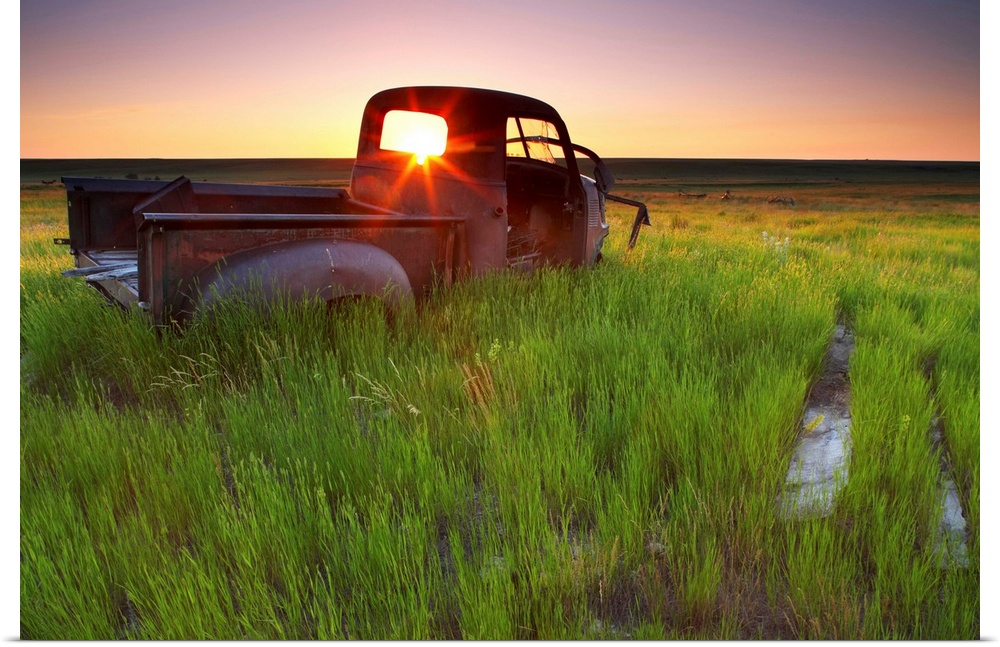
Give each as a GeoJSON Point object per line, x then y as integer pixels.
{"type": "Point", "coordinates": [570, 454]}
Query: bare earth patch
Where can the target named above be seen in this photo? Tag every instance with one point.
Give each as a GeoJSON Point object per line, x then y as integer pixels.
{"type": "Point", "coordinates": [949, 539]}
{"type": "Point", "coordinates": [818, 469]}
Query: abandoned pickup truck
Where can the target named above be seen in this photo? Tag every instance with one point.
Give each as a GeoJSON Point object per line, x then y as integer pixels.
{"type": "Point", "coordinates": [448, 183]}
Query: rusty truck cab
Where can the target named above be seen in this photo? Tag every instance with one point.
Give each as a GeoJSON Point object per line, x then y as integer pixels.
{"type": "Point", "coordinates": [504, 162]}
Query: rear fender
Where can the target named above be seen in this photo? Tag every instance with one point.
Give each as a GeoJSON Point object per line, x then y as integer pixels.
{"type": "Point", "coordinates": [320, 268]}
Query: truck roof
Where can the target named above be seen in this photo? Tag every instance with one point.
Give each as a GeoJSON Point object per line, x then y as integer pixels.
{"type": "Point", "coordinates": [488, 104]}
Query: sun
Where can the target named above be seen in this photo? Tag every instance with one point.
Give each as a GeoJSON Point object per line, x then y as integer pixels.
{"type": "Point", "coordinates": [420, 133]}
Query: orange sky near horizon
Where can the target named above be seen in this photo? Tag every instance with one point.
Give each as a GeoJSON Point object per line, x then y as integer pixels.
{"type": "Point", "coordinates": [853, 79]}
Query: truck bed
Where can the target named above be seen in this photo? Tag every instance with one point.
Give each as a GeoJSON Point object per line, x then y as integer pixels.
{"type": "Point", "coordinates": [150, 244]}
{"type": "Point", "coordinates": [103, 219]}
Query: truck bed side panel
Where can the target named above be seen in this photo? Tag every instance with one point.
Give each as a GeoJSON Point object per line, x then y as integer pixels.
{"type": "Point", "coordinates": [175, 248]}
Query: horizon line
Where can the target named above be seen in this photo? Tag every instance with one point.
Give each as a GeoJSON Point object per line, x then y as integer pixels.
{"type": "Point", "coordinates": [704, 159]}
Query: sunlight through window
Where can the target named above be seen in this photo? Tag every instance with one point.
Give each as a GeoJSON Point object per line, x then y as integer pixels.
{"type": "Point", "coordinates": [419, 133]}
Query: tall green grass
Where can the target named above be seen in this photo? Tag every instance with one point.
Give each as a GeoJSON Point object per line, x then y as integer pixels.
{"type": "Point", "coordinates": [570, 454]}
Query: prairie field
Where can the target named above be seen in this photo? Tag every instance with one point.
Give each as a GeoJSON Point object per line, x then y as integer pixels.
{"type": "Point", "coordinates": [571, 454]}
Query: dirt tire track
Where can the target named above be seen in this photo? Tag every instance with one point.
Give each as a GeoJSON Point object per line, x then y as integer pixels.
{"type": "Point", "coordinates": [819, 466]}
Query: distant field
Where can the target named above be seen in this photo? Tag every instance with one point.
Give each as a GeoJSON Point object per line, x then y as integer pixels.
{"type": "Point", "coordinates": [665, 174]}
{"type": "Point", "coordinates": [572, 454]}
{"type": "Point", "coordinates": [294, 171]}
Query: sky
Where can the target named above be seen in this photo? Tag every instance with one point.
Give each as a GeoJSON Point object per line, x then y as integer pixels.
{"type": "Point", "coordinates": [793, 79]}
